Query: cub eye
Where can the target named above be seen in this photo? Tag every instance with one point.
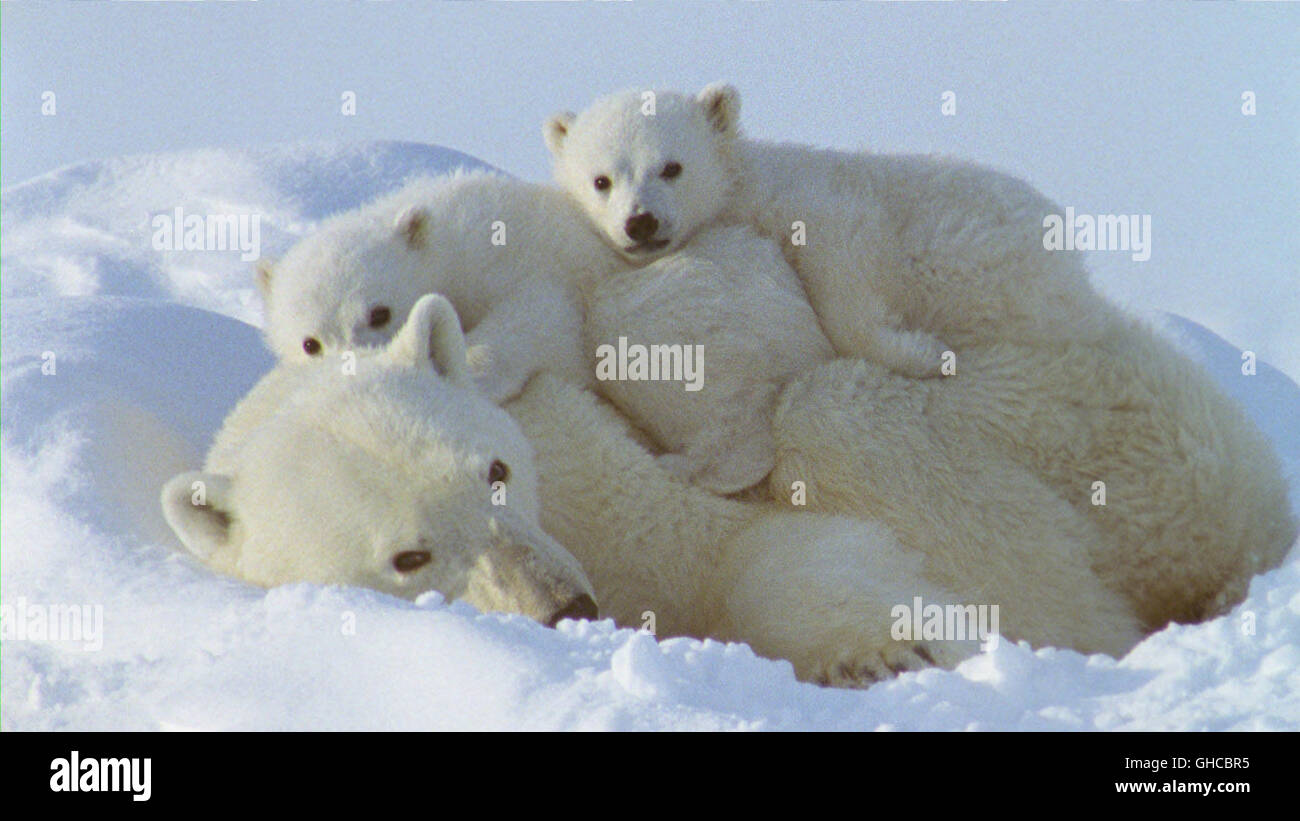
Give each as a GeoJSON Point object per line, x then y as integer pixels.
{"type": "Point", "coordinates": [311, 345]}
{"type": "Point", "coordinates": [498, 472]}
{"type": "Point", "coordinates": [602, 183]}
{"type": "Point", "coordinates": [379, 316]}
{"type": "Point", "coordinates": [671, 170]}
{"type": "Point", "coordinates": [409, 560]}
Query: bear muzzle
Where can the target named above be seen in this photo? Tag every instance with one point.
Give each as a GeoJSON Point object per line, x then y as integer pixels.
{"type": "Point", "coordinates": [581, 607]}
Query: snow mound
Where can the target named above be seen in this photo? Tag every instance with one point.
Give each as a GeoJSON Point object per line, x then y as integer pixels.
{"type": "Point", "coordinates": [111, 382]}
{"type": "Point", "coordinates": [87, 229]}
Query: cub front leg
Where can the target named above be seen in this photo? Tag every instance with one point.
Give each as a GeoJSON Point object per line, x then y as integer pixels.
{"type": "Point", "coordinates": [733, 448]}
{"type": "Point", "coordinates": [917, 354]}
{"type": "Point", "coordinates": [860, 327]}
{"type": "Point", "coordinates": [537, 329]}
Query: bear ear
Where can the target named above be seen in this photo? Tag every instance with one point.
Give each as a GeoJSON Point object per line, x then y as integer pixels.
{"type": "Point", "coordinates": [555, 129]}
{"type": "Point", "coordinates": [410, 225]}
{"type": "Point", "coordinates": [432, 334]}
{"type": "Point", "coordinates": [265, 268]}
{"type": "Point", "coordinates": [721, 105]}
{"type": "Point", "coordinates": [196, 506]}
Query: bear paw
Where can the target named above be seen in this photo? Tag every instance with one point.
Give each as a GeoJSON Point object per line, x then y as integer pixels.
{"type": "Point", "coordinates": [679, 466]}
{"type": "Point", "coordinates": [915, 354]}
{"type": "Point", "coordinates": [861, 670]}
{"type": "Point", "coordinates": [491, 376]}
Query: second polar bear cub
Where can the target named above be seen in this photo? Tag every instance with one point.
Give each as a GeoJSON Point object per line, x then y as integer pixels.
{"type": "Point", "coordinates": [898, 254]}
{"type": "Point", "coordinates": [509, 255]}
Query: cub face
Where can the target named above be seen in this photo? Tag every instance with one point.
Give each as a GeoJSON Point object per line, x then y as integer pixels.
{"type": "Point", "coordinates": [648, 168]}
{"type": "Point", "coordinates": [349, 285]}
{"type": "Point", "coordinates": [398, 477]}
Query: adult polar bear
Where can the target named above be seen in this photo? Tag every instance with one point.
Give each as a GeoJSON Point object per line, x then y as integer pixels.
{"type": "Point", "coordinates": [816, 589]}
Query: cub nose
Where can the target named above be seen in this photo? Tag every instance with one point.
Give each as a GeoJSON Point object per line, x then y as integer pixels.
{"type": "Point", "coordinates": [582, 607]}
{"type": "Point", "coordinates": [641, 227]}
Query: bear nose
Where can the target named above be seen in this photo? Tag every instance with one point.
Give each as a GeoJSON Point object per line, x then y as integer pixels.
{"type": "Point", "coordinates": [641, 227]}
{"type": "Point", "coordinates": [582, 607]}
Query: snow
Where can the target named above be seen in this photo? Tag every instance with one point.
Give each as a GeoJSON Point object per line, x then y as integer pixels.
{"type": "Point", "coordinates": [86, 229]}
{"type": "Point", "coordinates": [151, 348]}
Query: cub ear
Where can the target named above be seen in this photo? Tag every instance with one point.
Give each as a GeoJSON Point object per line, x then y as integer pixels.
{"type": "Point", "coordinates": [721, 105]}
{"type": "Point", "coordinates": [196, 506]}
{"type": "Point", "coordinates": [265, 267]}
{"type": "Point", "coordinates": [555, 129]}
{"type": "Point", "coordinates": [410, 225]}
{"type": "Point", "coordinates": [432, 334]}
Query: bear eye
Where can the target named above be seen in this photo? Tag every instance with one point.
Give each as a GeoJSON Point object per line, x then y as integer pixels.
{"type": "Point", "coordinates": [311, 345]}
{"type": "Point", "coordinates": [602, 183]}
{"type": "Point", "coordinates": [409, 560]}
{"type": "Point", "coordinates": [379, 316]}
{"type": "Point", "coordinates": [671, 170]}
{"type": "Point", "coordinates": [498, 472]}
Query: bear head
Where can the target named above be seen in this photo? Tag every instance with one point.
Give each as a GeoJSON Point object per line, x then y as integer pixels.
{"type": "Point", "coordinates": [392, 474]}
{"type": "Point", "coordinates": [350, 283]}
{"type": "Point", "coordinates": [649, 168]}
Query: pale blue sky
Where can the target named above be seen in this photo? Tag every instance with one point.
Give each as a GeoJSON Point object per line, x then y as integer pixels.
{"type": "Point", "coordinates": [1116, 108]}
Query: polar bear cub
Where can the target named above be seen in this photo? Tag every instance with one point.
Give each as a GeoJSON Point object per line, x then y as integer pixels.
{"type": "Point", "coordinates": [398, 477]}
{"type": "Point", "coordinates": [523, 265]}
{"type": "Point", "coordinates": [900, 256]}
{"type": "Point", "coordinates": [508, 255]}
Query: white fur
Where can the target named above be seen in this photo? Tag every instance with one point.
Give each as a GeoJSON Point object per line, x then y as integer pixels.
{"type": "Point", "coordinates": [977, 489]}
{"type": "Point", "coordinates": [988, 473]}
{"type": "Point", "coordinates": [508, 255]}
{"type": "Point", "coordinates": [326, 476]}
{"type": "Point", "coordinates": [523, 303]}
{"type": "Point", "coordinates": [810, 586]}
{"type": "Point", "coordinates": [991, 472]}
{"type": "Point", "coordinates": [902, 257]}
{"type": "Point", "coordinates": [730, 293]}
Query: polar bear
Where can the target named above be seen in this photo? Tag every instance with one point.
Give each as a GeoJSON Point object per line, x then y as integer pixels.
{"type": "Point", "coordinates": [301, 484]}
{"type": "Point", "coordinates": [392, 473]}
{"type": "Point", "coordinates": [508, 255]}
{"type": "Point", "coordinates": [523, 266]}
{"type": "Point", "coordinates": [902, 257]}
